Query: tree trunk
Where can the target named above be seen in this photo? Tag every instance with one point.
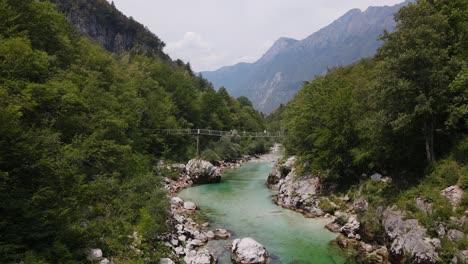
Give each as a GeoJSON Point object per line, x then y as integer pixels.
{"type": "Point", "coordinates": [429, 137]}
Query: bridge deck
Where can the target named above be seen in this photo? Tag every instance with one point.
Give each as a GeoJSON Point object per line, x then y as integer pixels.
{"type": "Point", "coordinates": [218, 133]}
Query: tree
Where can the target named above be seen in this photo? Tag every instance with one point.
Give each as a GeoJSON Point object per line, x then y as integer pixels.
{"type": "Point", "coordinates": [416, 69]}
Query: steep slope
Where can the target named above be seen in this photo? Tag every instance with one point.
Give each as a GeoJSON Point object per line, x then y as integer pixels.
{"type": "Point", "coordinates": [279, 73]}
{"type": "Point", "coordinates": [101, 21]}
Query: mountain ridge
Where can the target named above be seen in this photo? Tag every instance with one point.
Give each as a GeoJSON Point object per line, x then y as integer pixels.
{"type": "Point", "coordinates": [277, 75]}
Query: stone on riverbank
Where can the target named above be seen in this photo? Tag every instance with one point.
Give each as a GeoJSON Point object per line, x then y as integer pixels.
{"type": "Point", "coordinates": [202, 171]}
{"type": "Point", "coordinates": [248, 251]}
{"type": "Point", "coordinates": [409, 239]}
{"type": "Point", "coordinates": [202, 256]}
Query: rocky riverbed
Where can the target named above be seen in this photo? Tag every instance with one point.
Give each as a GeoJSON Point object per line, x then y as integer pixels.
{"type": "Point", "coordinates": [402, 238]}
{"type": "Point", "coordinates": [188, 238]}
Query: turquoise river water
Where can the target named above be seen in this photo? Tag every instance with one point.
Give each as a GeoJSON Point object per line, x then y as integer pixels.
{"type": "Point", "coordinates": [242, 204]}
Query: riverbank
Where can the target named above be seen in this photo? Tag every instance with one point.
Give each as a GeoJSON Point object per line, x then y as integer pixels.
{"type": "Point", "coordinates": [242, 204]}
{"type": "Point", "coordinates": [371, 228]}
{"type": "Point", "coordinates": [189, 236]}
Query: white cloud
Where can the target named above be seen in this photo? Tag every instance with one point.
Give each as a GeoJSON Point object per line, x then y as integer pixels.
{"type": "Point", "coordinates": [190, 40]}
{"type": "Point", "coordinates": [194, 48]}
{"type": "Point", "coordinates": [214, 33]}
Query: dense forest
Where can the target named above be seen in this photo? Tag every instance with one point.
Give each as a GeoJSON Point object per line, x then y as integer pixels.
{"type": "Point", "coordinates": [402, 113]}
{"type": "Point", "coordinates": [79, 139]}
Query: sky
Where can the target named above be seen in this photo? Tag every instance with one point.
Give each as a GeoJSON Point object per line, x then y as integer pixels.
{"type": "Point", "coordinates": [214, 33]}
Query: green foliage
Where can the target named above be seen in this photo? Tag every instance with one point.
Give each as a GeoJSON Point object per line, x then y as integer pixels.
{"type": "Point", "coordinates": [326, 206]}
{"type": "Point", "coordinates": [210, 156]}
{"type": "Point", "coordinates": [396, 113]}
{"type": "Point", "coordinates": [79, 137]}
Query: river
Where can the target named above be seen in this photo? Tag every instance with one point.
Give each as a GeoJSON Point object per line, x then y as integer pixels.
{"type": "Point", "coordinates": [242, 204]}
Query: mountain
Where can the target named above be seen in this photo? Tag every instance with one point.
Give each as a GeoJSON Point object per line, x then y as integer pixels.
{"type": "Point", "coordinates": [276, 77]}
{"type": "Point", "coordinates": [101, 21]}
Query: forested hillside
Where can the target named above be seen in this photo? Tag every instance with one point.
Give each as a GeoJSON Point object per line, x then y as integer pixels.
{"type": "Point", "coordinates": [79, 142]}
{"type": "Point", "coordinates": [402, 114]}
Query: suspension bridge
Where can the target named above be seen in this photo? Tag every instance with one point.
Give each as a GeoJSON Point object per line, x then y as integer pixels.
{"type": "Point", "coordinates": [219, 133]}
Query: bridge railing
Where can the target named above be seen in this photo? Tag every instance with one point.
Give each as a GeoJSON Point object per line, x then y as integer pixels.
{"type": "Point", "coordinates": [219, 133]}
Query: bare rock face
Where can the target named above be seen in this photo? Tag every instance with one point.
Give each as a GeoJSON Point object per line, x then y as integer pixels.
{"type": "Point", "coordinates": [454, 194]}
{"type": "Point", "coordinates": [351, 228]}
{"type": "Point", "coordinates": [424, 205]}
{"type": "Point", "coordinates": [300, 194]}
{"type": "Point", "coordinates": [279, 171]}
{"type": "Point", "coordinates": [248, 251]}
{"type": "Point", "coordinates": [202, 171]}
{"type": "Point", "coordinates": [360, 205]}
{"type": "Point", "coordinates": [409, 239]}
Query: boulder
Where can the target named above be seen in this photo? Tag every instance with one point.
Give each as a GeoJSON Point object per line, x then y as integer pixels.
{"type": "Point", "coordinates": [196, 243]}
{"type": "Point", "coordinates": [106, 261]}
{"type": "Point", "coordinates": [360, 205]}
{"type": "Point", "coordinates": [334, 227]}
{"type": "Point", "coordinates": [178, 167]}
{"type": "Point", "coordinates": [460, 258]}
{"type": "Point", "coordinates": [351, 228]}
{"type": "Point", "coordinates": [273, 178]}
{"type": "Point", "coordinates": [248, 251]}
{"type": "Point", "coordinates": [189, 206]}
{"type": "Point", "coordinates": [408, 239]}
{"type": "Point", "coordinates": [376, 177]}
{"type": "Point", "coordinates": [210, 235]}
{"type": "Point", "coordinates": [176, 201]}
{"type": "Point", "coordinates": [454, 194]}
{"type": "Point", "coordinates": [424, 205]}
{"type": "Point", "coordinates": [166, 261]}
{"type": "Point", "coordinates": [94, 254]}
{"type": "Point", "coordinates": [288, 165]}
{"type": "Point", "coordinates": [455, 235]}
{"type": "Point", "coordinates": [202, 256]}
{"type": "Point", "coordinates": [222, 234]}
{"type": "Point", "coordinates": [300, 194]}
{"type": "Point", "coordinates": [202, 171]}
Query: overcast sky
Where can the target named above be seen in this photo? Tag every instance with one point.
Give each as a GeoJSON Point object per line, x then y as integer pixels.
{"type": "Point", "coordinates": [214, 33]}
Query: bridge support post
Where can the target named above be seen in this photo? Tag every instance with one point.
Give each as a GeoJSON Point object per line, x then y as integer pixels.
{"type": "Point", "coordinates": [198, 144]}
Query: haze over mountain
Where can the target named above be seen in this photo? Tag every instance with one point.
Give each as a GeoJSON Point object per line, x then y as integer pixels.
{"type": "Point", "coordinates": [280, 72]}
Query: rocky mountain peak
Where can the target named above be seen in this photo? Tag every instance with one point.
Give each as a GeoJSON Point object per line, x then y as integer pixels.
{"type": "Point", "coordinates": [279, 46]}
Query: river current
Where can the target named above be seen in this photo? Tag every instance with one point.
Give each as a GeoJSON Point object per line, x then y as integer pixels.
{"type": "Point", "coordinates": [242, 204]}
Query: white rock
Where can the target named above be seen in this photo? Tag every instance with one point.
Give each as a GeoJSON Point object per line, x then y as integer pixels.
{"type": "Point", "coordinates": [166, 261]}
{"type": "Point", "coordinates": [376, 177]}
{"type": "Point", "coordinates": [247, 250]}
{"type": "Point", "coordinates": [105, 261]}
{"type": "Point", "coordinates": [210, 235]}
{"type": "Point", "coordinates": [95, 254]}
{"type": "Point", "coordinates": [196, 243]}
{"type": "Point", "coordinates": [189, 206]}
{"type": "Point", "coordinates": [454, 194]}
{"type": "Point", "coordinates": [201, 257]}
{"type": "Point", "coordinates": [221, 234]}
{"type": "Point", "coordinates": [177, 201]}
{"type": "Point", "coordinates": [202, 171]}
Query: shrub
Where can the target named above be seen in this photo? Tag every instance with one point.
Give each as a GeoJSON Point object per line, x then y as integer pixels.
{"type": "Point", "coordinates": [326, 205]}
{"type": "Point", "coordinates": [210, 155]}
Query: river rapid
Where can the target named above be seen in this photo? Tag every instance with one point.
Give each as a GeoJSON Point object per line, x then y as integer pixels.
{"type": "Point", "coordinates": [242, 204]}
